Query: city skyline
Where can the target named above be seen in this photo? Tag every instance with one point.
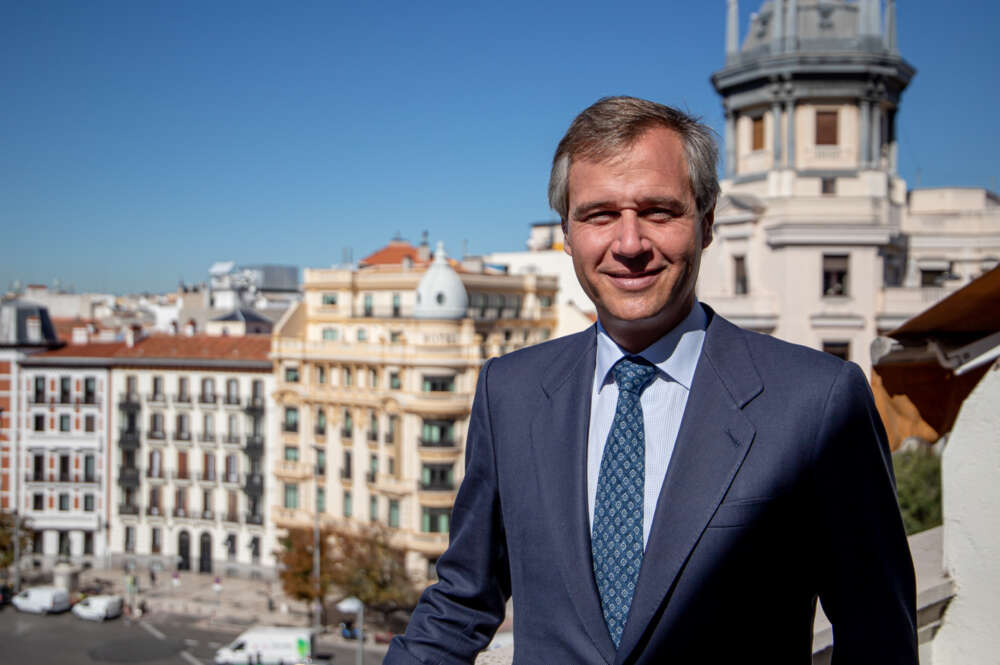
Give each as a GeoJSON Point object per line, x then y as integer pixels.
{"type": "Point", "coordinates": [144, 143]}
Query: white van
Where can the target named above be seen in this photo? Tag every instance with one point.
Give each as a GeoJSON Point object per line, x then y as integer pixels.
{"type": "Point", "coordinates": [267, 646]}
{"type": "Point", "coordinates": [42, 599]}
{"type": "Point", "coordinates": [99, 608]}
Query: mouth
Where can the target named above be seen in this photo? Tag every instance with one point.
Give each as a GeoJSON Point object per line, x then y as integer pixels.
{"type": "Point", "coordinates": [633, 280]}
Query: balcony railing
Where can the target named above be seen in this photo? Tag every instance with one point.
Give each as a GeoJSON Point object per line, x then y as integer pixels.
{"type": "Point", "coordinates": [128, 476]}
{"type": "Point", "coordinates": [254, 404]}
{"type": "Point", "coordinates": [231, 439]}
{"type": "Point", "coordinates": [156, 435]}
{"type": "Point", "coordinates": [65, 398]}
{"type": "Point", "coordinates": [128, 509]}
{"type": "Point", "coordinates": [206, 476]}
{"type": "Point", "coordinates": [346, 432]}
{"type": "Point", "coordinates": [30, 477]}
{"type": "Point", "coordinates": [230, 478]}
{"type": "Point", "coordinates": [320, 430]}
{"type": "Point", "coordinates": [372, 435]}
{"type": "Point", "coordinates": [231, 517]}
{"type": "Point", "coordinates": [390, 437]}
{"type": "Point", "coordinates": [232, 400]}
{"type": "Point", "coordinates": [207, 437]}
{"type": "Point", "coordinates": [91, 478]}
{"type": "Point", "coordinates": [154, 511]}
{"type": "Point", "coordinates": [182, 398]}
{"type": "Point", "coordinates": [254, 484]}
{"type": "Point", "coordinates": [345, 474]}
{"type": "Point", "coordinates": [37, 398]}
{"type": "Point", "coordinates": [128, 438]}
{"type": "Point", "coordinates": [208, 515]}
{"type": "Point", "coordinates": [182, 474]}
{"type": "Point", "coordinates": [437, 487]}
{"type": "Point", "coordinates": [442, 443]}
{"type": "Point", "coordinates": [156, 398]}
{"type": "Point", "coordinates": [289, 427]}
{"type": "Point", "coordinates": [180, 512]}
{"type": "Point", "coordinates": [208, 398]}
{"type": "Point", "coordinates": [181, 436]}
{"type": "Point", "coordinates": [90, 400]}
{"type": "Point", "coordinates": [155, 473]}
{"type": "Point", "coordinates": [370, 476]}
{"type": "Point", "coordinates": [252, 518]}
{"type": "Point", "coordinates": [255, 444]}
{"type": "Point", "coordinates": [129, 401]}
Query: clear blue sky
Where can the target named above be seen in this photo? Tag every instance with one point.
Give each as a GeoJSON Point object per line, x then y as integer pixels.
{"type": "Point", "coordinates": [142, 141]}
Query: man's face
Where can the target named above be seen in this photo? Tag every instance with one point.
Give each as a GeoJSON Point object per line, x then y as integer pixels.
{"type": "Point", "coordinates": [635, 238]}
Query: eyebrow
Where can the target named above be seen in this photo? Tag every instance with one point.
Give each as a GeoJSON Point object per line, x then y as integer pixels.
{"type": "Point", "coordinates": [643, 203]}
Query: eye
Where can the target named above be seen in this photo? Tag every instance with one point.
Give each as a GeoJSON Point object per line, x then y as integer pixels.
{"type": "Point", "coordinates": [659, 214]}
{"type": "Point", "coordinates": [599, 216]}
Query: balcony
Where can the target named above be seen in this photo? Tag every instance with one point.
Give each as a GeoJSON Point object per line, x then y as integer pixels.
{"type": "Point", "coordinates": [345, 474]}
{"type": "Point", "coordinates": [207, 515]}
{"type": "Point", "coordinates": [181, 437]}
{"type": "Point", "coordinates": [442, 443]}
{"type": "Point", "coordinates": [182, 475]}
{"type": "Point", "coordinates": [208, 437]}
{"type": "Point", "coordinates": [230, 478]}
{"type": "Point", "coordinates": [370, 476]}
{"type": "Point", "coordinates": [181, 512]}
{"type": "Point", "coordinates": [230, 439]}
{"type": "Point", "coordinates": [156, 435]}
{"type": "Point", "coordinates": [231, 400]}
{"type": "Point", "coordinates": [254, 484]}
{"type": "Point", "coordinates": [65, 398]}
{"type": "Point", "coordinates": [290, 427]}
{"type": "Point", "coordinates": [346, 432]}
{"type": "Point", "coordinates": [254, 405]}
{"type": "Point", "coordinates": [372, 436]}
{"type": "Point", "coordinates": [437, 487]}
{"type": "Point", "coordinates": [128, 509]}
{"type": "Point", "coordinates": [128, 476]}
{"type": "Point", "coordinates": [34, 477]}
{"type": "Point", "coordinates": [254, 445]}
{"type": "Point", "coordinates": [182, 399]}
{"type": "Point", "coordinates": [208, 398]}
{"type": "Point", "coordinates": [128, 401]}
{"type": "Point", "coordinates": [319, 430]}
{"type": "Point", "coordinates": [156, 398]}
{"type": "Point", "coordinates": [207, 476]}
{"type": "Point", "coordinates": [128, 439]}
{"type": "Point", "coordinates": [251, 518]}
{"type": "Point", "coordinates": [91, 479]}
{"type": "Point", "coordinates": [231, 517]}
{"type": "Point", "coordinates": [390, 437]}
{"type": "Point", "coordinates": [155, 474]}
{"type": "Point", "coordinates": [154, 511]}
{"type": "Point", "coordinates": [37, 398]}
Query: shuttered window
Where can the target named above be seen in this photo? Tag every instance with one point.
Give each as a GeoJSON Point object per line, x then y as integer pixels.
{"type": "Point", "coordinates": [826, 128]}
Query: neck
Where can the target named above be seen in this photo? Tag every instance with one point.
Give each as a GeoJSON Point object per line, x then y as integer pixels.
{"type": "Point", "coordinates": [634, 336]}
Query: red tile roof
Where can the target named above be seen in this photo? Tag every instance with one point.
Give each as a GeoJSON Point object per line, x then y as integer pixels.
{"type": "Point", "coordinates": [393, 254]}
{"type": "Point", "coordinates": [172, 347]}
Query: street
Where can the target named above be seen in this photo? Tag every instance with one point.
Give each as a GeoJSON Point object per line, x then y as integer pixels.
{"type": "Point", "coordinates": [63, 639]}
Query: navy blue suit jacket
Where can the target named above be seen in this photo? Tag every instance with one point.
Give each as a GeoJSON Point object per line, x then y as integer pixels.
{"type": "Point", "coordinates": [779, 491]}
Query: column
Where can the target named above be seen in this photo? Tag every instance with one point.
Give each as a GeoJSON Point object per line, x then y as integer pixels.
{"type": "Point", "coordinates": [876, 137]}
{"type": "Point", "coordinates": [890, 27]}
{"type": "Point", "coordinates": [790, 132]}
{"type": "Point", "coordinates": [792, 29]}
{"type": "Point", "coordinates": [776, 117]}
{"type": "Point", "coordinates": [730, 143]}
{"type": "Point", "coordinates": [893, 144]}
{"type": "Point", "coordinates": [778, 36]}
{"type": "Point", "coordinates": [732, 29]}
{"type": "Point", "coordinates": [863, 127]}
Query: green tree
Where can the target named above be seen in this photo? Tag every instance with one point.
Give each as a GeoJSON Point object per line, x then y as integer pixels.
{"type": "Point", "coordinates": [918, 487]}
{"type": "Point", "coordinates": [7, 540]}
{"type": "Point", "coordinates": [367, 566]}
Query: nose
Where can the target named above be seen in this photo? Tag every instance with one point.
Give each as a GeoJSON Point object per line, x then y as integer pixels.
{"type": "Point", "coordinates": [630, 241]}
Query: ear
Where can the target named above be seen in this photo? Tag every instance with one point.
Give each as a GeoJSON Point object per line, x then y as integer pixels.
{"type": "Point", "coordinates": [565, 230]}
{"type": "Point", "coordinates": [707, 226]}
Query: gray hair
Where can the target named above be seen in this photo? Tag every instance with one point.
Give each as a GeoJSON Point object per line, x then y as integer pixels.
{"type": "Point", "coordinates": [612, 124]}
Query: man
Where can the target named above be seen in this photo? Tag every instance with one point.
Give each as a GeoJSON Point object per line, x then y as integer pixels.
{"type": "Point", "coordinates": [665, 487]}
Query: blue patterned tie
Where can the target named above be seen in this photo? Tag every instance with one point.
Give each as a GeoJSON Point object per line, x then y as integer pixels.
{"type": "Point", "coordinates": [617, 533]}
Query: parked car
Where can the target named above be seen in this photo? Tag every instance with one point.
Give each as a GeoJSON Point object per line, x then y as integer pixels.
{"type": "Point", "coordinates": [99, 608]}
{"type": "Point", "coordinates": [263, 646]}
{"type": "Point", "coordinates": [42, 599]}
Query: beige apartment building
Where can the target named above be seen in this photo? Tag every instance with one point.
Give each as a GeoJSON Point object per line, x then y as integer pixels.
{"type": "Point", "coordinates": [376, 370]}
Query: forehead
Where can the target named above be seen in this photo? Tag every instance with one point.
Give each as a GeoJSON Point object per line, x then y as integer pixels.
{"type": "Point", "coordinates": [655, 158]}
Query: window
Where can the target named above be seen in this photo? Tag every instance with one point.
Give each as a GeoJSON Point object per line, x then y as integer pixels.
{"type": "Point", "coordinates": [208, 391]}
{"type": "Point", "coordinates": [183, 395]}
{"type": "Point", "coordinates": [329, 299]}
{"type": "Point", "coordinates": [292, 374]}
{"type": "Point", "coordinates": [330, 334]}
{"type": "Point", "coordinates": [131, 387]}
{"type": "Point", "coordinates": [372, 508]}
{"type": "Point", "coordinates": [183, 427]}
{"type": "Point", "coordinates": [64, 501]}
{"type": "Point", "coordinates": [65, 392]}
{"type": "Point", "coordinates": [435, 520]}
{"type": "Point", "coordinates": [291, 453]}
{"type": "Point", "coordinates": [64, 422]}
{"type": "Point", "coordinates": [39, 422]}
{"type": "Point", "coordinates": [390, 434]}
{"type": "Point", "coordinates": [39, 396]}
{"type": "Point", "coordinates": [347, 470]}
{"type": "Point", "coordinates": [397, 306]}
{"type": "Point", "coordinates": [291, 495]}
{"type": "Point", "coordinates": [348, 429]}
{"type": "Point", "coordinates": [436, 477]}
{"type": "Point", "coordinates": [372, 426]}
{"type": "Point", "coordinates": [320, 421]}
{"type": "Point", "coordinates": [88, 503]}
{"type": "Point", "coordinates": [232, 391]}
{"type": "Point", "coordinates": [840, 349]}
{"type": "Point", "coordinates": [348, 377]}
{"type": "Point", "coordinates": [89, 423]}
{"type": "Point", "coordinates": [89, 469]}
{"type": "Point", "coordinates": [155, 540]}
{"type": "Point", "coordinates": [828, 186]}
{"type": "Point", "coordinates": [545, 301]}
{"type": "Point", "coordinates": [362, 335]}
{"type": "Point", "coordinates": [368, 306]}
{"type": "Point", "coordinates": [38, 464]}
{"type": "Point", "coordinates": [208, 427]}
{"type": "Point", "coordinates": [835, 275]}
{"type": "Point", "coordinates": [395, 336]}
{"type": "Point", "coordinates": [88, 542]}
{"type": "Point", "coordinates": [826, 128]}
{"type": "Point", "coordinates": [130, 539]}
{"type": "Point", "coordinates": [291, 423]}
{"type": "Point", "coordinates": [320, 499]}
{"type": "Point", "coordinates": [320, 374]}
{"type": "Point", "coordinates": [157, 395]}
{"type": "Point", "coordinates": [390, 466]}
{"type": "Point", "coordinates": [64, 469]}
{"type": "Point", "coordinates": [38, 501]}
{"type": "Point", "coordinates": [90, 390]}
{"type": "Point", "coordinates": [320, 462]}
{"type": "Point", "coordinates": [394, 381]}
{"type": "Point", "coordinates": [932, 278]}
{"type": "Point", "coordinates": [757, 133]}
{"type": "Point", "coordinates": [231, 547]}
{"type": "Point", "coordinates": [393, 513]}
{"type": "Point", "coordinates": [232, 428]}
{"type": "Point", "coordinates": [372, 378]}
{"type": "Point", "coordinates": [438, 433]}
{"type": "Point", "coordinates": [347, 504]}
{"type": "Point", "coordinates": [740, 286]}
{"type": "Point", "coordinates": [434, 384]}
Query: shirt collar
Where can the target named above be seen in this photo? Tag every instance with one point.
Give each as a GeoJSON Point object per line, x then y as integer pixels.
{"type": "Point", "coordinates": [675, 354]}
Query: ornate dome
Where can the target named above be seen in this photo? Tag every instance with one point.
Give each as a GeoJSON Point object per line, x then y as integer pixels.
{"type": "Point", "coordinates": [440, 294]}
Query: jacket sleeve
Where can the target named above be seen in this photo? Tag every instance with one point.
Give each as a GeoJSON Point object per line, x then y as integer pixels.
{"type": "Point", "coordinates": [458, 615]}
{"type": "Point", "coordinates": [867, 585]}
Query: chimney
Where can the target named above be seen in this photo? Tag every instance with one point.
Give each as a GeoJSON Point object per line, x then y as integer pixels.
{"type": "Point", "coordinates": [190, 327]}
{"type": "Point", "coordinates": [173, 327]}
{"type": "Point", "coordinates": [132, 335]}
{"type": "Point", "coordinates": [80, 335]}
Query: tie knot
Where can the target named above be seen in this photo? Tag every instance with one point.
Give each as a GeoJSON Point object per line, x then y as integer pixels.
{"type": "Point", "coordinates": [633, 374]}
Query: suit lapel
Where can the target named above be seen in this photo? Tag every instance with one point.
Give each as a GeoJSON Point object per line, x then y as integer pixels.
{"type": "Point", "coordinates": [712, 442]}
{"type": "Point", "coordinates": [559, 441]}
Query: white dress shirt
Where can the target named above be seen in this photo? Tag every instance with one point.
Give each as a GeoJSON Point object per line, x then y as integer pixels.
{"type": "Point", "coordinates": [675, 356]}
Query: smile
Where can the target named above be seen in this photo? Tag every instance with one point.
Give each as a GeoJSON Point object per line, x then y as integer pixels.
{"type": "Point", "coordinates": [634, 281]}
